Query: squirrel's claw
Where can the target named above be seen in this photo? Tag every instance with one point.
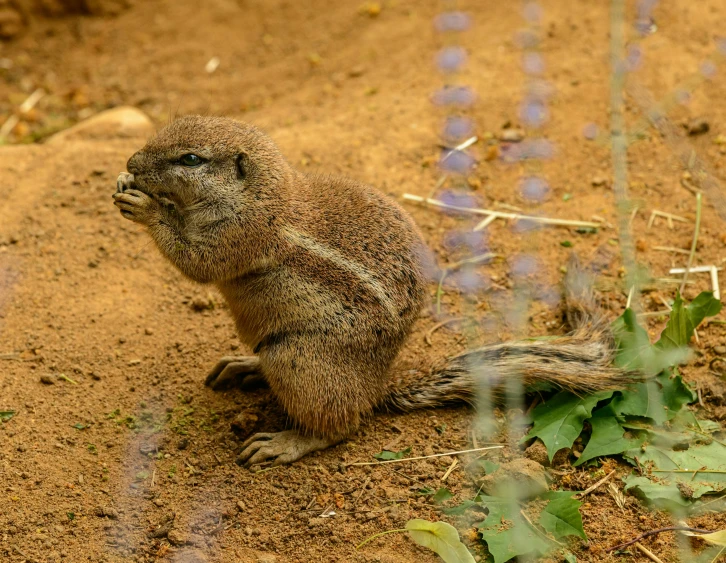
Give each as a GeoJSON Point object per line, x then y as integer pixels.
{"type": "Point", "coordinates": [229, 368]}
{"type": "Point", "coordinates": [125, 181]}
{"type": "Point", "coordinates": [136, 205]}
{"type": "Point", "coordinates": [280, 447]}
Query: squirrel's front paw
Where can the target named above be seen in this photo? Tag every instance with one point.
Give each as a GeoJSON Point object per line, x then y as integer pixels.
{"type": "Point", "coordinates": [134, 204]}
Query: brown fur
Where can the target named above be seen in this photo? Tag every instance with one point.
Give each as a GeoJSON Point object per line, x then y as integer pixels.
{"type": "Point", "coordinates": [324, 277]}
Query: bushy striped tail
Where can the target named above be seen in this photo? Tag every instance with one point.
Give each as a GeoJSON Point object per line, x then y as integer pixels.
{"type": "Point", "coordinates": [580, 362]}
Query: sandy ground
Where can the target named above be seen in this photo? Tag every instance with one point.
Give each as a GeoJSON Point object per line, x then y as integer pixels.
{"type": "Point", "coordinates": [92, 465]}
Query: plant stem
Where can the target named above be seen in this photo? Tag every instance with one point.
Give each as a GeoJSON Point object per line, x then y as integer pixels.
{"type": "Point", "coordinates": [692, 253]}
{"type": "Point", "coordinates": [619, 143]}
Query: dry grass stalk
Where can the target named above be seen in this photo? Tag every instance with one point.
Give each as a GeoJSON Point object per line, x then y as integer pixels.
{"type": "Point", "coordinates": [424, 456]}
{"type": "Point", "coordinates": [696, 230]}
{"type": "Point", "coordinates": [437, 326]}
{"type": "Point", "coordinates": [668, 216]}
{"type": "Point", "coordinates": [450, 469]}
{"type": "Point", "coordinates": [502, 215]}
{"type": "Point", "coordinates": [672, 249]}
{"type": "Point", "coordinates": [649, 554]}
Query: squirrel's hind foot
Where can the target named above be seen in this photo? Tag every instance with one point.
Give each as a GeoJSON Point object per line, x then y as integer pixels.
{"type": "Point", "coordinates": [280, 447]}
{"type": "Point", "coordinates": [244, 371]}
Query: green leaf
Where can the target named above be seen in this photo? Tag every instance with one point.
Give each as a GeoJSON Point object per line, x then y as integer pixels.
{"type": "Point", "coordinates": [700, 463]}
{"type": "Point", "coordinates": [79, 426]}
{"type": "Point", "coordinates": [635, 351]}
{"type": "Point", "coordinates": [714, 538]}
{"type": "Point", "coordinates": [570, 558]}
{"type": "Point", "coordinates": [683, 320]}
{"type": "Point", "coordinates": [506, 533]}
{"type": "Point", "coordinates": [559, 421]}
{"type": "Point", "coordinates": [659, 399]}
{"type": "Point", "coordinates": [386, 455]}
{"type": "Point", "coordinates": [6, 415]}
{"type": "Point", "coordinates": [685, 420]}
{"type": "Point", "coordinates": [705, 305]}
{"type": "Point", "coordinates": [561, 517]}
{"type": "Point", "coordinates": [566, 244]}
{"type": "Point", "coordinates": [607, 436]}
{"type": "Point", "coordinates": [630, 338]}
{"type": "Point", "coordinates": [441, 495]}
{"type": "Point", "coordinates": [644, 399]}
{"type": "Point", "coordinates": [664, 496]}
{"type": "Point", "coordinates": [440, 537]}
{"type": "Point", "coordinates": [676, 394]}
{"type": "Point", "coordinates": [679, 330]}
{"type": "Point", "coordinates": [462, 508]}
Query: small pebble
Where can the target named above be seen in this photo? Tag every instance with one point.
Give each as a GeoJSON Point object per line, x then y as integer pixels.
{"type": "Point", "coordinates": [511, 135]}
{"type": "Point", "coordinates": [148, 331]}
{"type": "Point", "coordinates": [598, 181]}
{"type": "Point", "coordinates": [47, 379]}
{"type": "Point", "coordinates": [111, 513]}
{"type": "Point", "coordinates": [720, 350]}
{"type": "Point", "coordinates": [191, 556]}
{"type": "Point", "coordinates": [698, 126]}
{"type": "Point", "coordinates": [176, 537]}
{"type": "Point", "coordinates": [202, 304]}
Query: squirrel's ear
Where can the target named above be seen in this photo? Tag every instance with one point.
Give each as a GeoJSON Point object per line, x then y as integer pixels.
{"type": "Point", "coordinates": [242, 165]}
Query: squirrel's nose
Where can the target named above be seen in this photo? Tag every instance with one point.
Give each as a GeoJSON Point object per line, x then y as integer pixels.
{"type": "Point", "coordinates": [133, 165]}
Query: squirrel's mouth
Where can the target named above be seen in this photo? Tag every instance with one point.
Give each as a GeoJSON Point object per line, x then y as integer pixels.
{"type": "Point", "coordinates": [138, 184]}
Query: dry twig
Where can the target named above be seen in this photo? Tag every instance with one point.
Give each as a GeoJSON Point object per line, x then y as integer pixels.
{"type": "Point", "coordinates": [657, 531]}
{"type": "Point", "coordinates": [596, 485]}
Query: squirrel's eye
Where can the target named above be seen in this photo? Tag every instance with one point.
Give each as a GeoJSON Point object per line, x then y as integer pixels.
{"type": "Point", "coordinates": [190, 160]}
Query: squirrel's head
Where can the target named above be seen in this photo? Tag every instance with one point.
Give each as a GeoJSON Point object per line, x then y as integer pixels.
{"type": "Point", "coordinates": [200, 160]}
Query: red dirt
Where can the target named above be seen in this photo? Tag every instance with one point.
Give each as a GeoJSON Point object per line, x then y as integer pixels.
{"type": "Point", "coordinates": [84, 294]}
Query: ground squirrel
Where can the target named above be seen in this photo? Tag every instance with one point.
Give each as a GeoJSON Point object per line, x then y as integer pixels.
{"type": "Point", "coordinates": [324, 277]}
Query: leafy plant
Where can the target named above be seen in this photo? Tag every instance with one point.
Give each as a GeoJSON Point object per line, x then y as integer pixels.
{"type": "Point", "coordinates": [561, 419]}
{"type": "Point", "coordinates": [648, 424]}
